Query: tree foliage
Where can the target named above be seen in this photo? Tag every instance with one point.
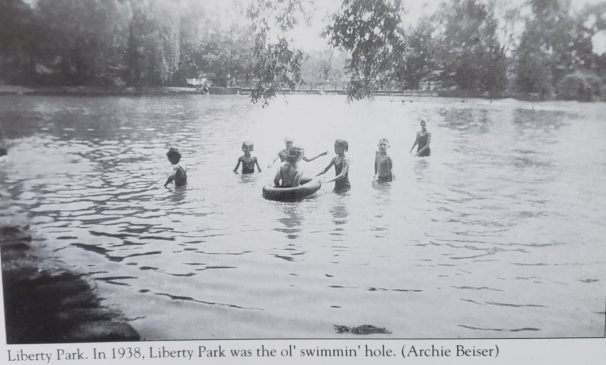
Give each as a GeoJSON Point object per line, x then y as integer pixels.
{"type": "Point", "coordinates": [468, 53]}
{"type": "Point", "coordinates": [370, 31]}
{"type": "Point", "coordinates": [419, 60]}
{"type": "Point", "coordinates": [476, 46]}
{"type": "Point", "coordinates": [543, 56]}
{"type": "Point", "coordinates": [276, 64]}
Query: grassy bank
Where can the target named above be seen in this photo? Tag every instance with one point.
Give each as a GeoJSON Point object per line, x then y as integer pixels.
{"type": "Point", "coordinates": [45, 303]}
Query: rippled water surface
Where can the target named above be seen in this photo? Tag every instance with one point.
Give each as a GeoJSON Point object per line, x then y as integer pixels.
{"type": "Point", "coordinates": [500, 233]}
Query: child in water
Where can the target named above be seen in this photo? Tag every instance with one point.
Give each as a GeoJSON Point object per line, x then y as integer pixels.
{"type": "Point", "coordinates": [289, 175]}
{"type": "Point", "coordinates": [288, 144]}
{"type": "Point", "coordinates": [248, 162]}
{"type": "Point", "coordinates": [341, 164]}
{"type": "Point", "coordinates": [383, 162]}
{"type": "Point", "coordinates": [179, 176]}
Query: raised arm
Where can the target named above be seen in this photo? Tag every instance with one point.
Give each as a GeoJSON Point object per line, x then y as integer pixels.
{"type": "Point", "coordinates": [274, 161]}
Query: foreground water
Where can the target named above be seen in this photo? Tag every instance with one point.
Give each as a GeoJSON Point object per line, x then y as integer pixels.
{"type": "Point", "coordinates": [500, 233]}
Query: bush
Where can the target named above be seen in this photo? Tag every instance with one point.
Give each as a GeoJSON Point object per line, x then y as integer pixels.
{"type": "Point", "coordinates": [580, 86]}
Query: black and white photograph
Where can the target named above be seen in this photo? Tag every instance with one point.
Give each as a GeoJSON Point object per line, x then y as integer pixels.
{"type": "Point", "coordinates": [185, 170]}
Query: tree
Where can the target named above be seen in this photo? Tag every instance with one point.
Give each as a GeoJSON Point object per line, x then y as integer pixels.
{"type": "Point", "coordinates": [468, 52]}
{"type": "Point", "coordinates": [276, 64]}
{"type": "Point", "coordinates": [153, 42]}
{"type": "Point", "coordinates": [587, 24]}
{"type": "Point", "coordinates": [323, 68]}
{"type": "Point", "coordinates": [418, 62]}
{"type": "Point", "coordinates": [370, 31]}
{"type": "Point", "coordinates": [213, 45]}
{"type": "Point", "coordinates": [543, 56]}
{"type": "Point", "coordinates": [83, 41]}
{"type": "Point", "coordinates": [17, 41]}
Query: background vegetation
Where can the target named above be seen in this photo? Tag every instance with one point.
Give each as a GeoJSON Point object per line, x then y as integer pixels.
{"type": "Point", "coordinates": [466, 47]}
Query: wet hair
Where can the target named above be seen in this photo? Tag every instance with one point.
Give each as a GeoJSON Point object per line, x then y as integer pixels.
{"type": "Point", "coordinates": [249, 144]}
{"type": "Point", "coordinates": [173, 154]}
{"type": "Point", "coordinates": [342, 142]}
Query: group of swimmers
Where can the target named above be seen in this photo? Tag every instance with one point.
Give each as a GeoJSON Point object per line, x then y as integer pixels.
{"type": "Point", "coordinates": [290, 175]}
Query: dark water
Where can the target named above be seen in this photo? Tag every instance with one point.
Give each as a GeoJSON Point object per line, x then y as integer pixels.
{"type": "Point", "coordinates": [500, 233]}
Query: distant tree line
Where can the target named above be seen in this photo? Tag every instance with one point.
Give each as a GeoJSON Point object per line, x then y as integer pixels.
{"type": "Point", "coordinates": [120, 42]}
{"type": "Point", "coordinates": [468, 47]}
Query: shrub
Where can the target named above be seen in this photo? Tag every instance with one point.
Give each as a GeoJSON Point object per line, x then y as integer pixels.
{"type": "Point", "coordinates": [579, 86]}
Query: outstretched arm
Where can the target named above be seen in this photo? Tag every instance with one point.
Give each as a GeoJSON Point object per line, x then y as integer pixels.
{"type": "Point", "coordinates": [332, 162]}
{"type": "Point", "coordinates": [304, 158]}
{"type": "Point", "coordinates": [274, 161]}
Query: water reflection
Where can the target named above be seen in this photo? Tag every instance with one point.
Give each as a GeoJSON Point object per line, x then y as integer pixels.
{"type": "Point", "coordinates": [420, 168]}
{"type": "Point", "coordinates": [291, 220]}
{"type": "Point", "coordinates": [339, 214]}
{"type": "Point", "coordinates": [382, 199]}
{"type": "Point", "coordinates": [248, 179]}
{"type": "Point", "coordinates": [178, 195]}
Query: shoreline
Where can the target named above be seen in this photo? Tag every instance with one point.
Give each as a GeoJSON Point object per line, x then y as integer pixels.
{"type": "Point", "coordinates": [183, 90]}
{"type": "Point", "coordinates": [46, 303]}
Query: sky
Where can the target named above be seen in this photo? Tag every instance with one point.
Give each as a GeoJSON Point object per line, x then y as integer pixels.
{"type": "Point", "coordinates": [308, 37]}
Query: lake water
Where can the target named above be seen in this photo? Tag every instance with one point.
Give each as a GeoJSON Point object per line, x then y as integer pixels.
{"type": "Point", "coordinates": [500, 233]}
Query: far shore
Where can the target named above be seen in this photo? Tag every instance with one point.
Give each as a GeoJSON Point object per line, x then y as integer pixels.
{"type": "Point", "coordinates": [184, 90]}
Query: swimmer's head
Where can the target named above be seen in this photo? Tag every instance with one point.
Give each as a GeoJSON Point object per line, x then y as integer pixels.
{"type": "Point", "coordinates": [383, 144]}
{"type": "Point", "coordinates": [248, 146]}
{"type": "Point", "coordinates": [341, 145]}
{"type": "Point", "coordinates": [288, 142]}
{"type": "Point", "coordinates": [174, 156]}
{"type": "Point", "coordinates": [294, 154]}
{"type": "Point", "coordinates": [423, 123]}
